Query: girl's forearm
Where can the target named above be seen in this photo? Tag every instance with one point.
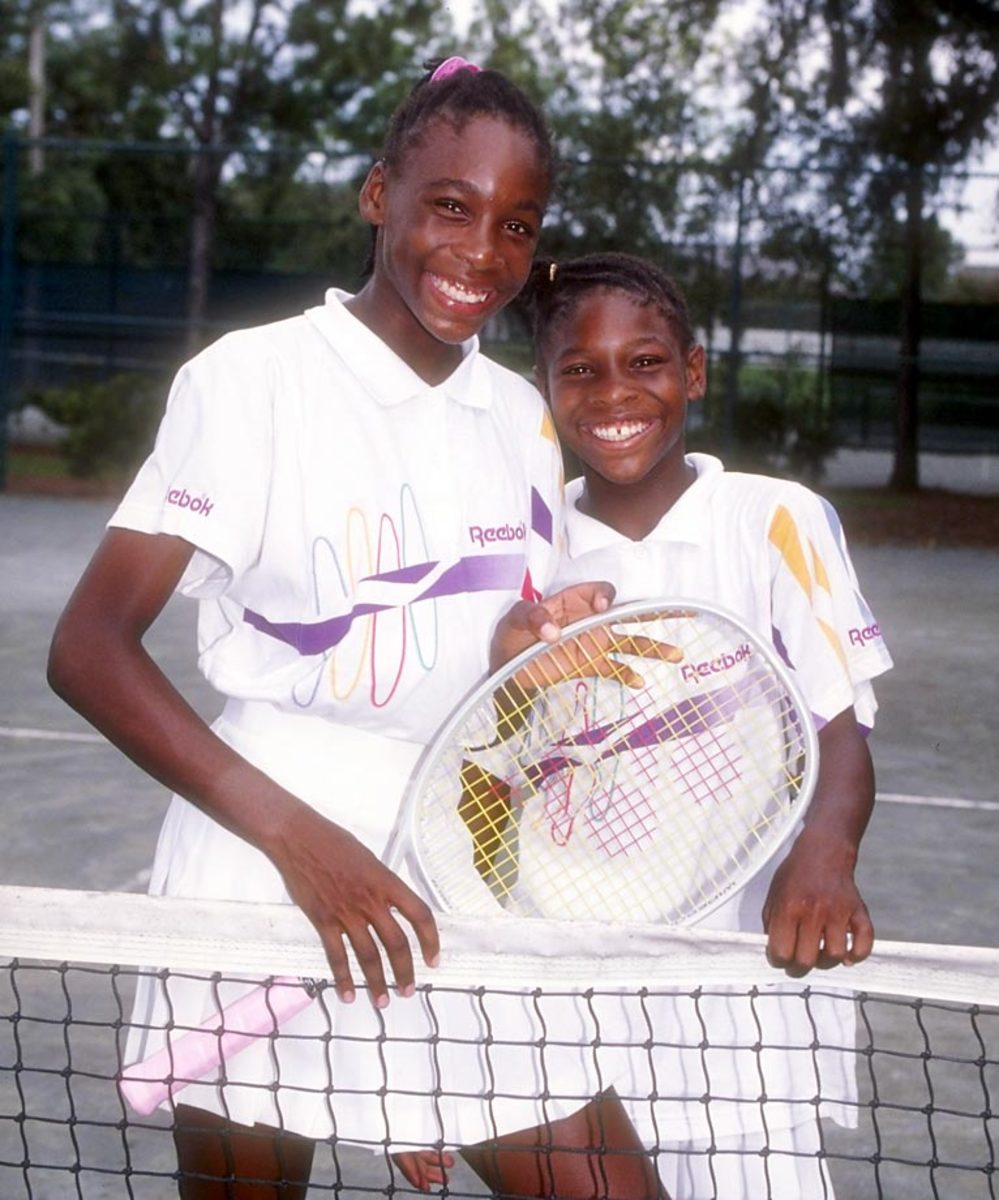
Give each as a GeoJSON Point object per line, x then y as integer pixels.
{"type": "Point", "coordinates": [844, 794]}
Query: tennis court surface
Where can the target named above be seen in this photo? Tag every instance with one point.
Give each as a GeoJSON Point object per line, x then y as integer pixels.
{"type": "Point", "coordinates": [78, 816]}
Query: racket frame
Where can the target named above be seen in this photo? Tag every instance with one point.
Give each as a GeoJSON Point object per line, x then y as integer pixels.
{"type": "Point", "coordinates": [403, 843]}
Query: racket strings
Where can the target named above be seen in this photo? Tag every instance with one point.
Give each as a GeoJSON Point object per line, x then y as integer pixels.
{"type": "Point", "coordinates": [607, 781]}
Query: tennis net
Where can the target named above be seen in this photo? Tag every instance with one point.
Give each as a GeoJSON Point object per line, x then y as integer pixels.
{"type": "Point", "coordinates": [695, 1031]}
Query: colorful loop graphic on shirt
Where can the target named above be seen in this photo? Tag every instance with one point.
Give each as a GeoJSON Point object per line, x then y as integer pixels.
{"type": "Point", "coordinates": [382, 586]}
{"type": "Point", "coordinates": [407, 505]}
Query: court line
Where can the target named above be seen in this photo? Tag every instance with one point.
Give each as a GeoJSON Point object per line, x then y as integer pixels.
{"type": "Point", "coordinates": [937, 801]}
{"type": "Point", "coordinates": [51, 735]}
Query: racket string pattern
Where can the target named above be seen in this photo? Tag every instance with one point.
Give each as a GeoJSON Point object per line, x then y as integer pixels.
{"type": "Point", "coordinates": [622, 799]}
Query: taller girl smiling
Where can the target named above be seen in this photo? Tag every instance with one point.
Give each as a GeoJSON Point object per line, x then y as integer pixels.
{"type": "Point", "coordinates": [315, 485]}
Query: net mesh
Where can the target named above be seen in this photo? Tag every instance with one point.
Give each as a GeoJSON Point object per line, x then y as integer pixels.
{"type": "Point", "coordinates": [922, 1021]}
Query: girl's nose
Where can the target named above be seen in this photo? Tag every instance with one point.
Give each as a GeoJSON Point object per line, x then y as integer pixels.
{"type": "Point", "coordinates": [616, 387]}
{"type": "Point", "coordinates": [478, 246]}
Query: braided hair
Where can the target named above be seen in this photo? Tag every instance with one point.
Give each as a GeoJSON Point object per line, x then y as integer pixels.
{"type": "Point", "coordinates": [458, 98]}
{"type": "Point", "coordinates": [554, 289]}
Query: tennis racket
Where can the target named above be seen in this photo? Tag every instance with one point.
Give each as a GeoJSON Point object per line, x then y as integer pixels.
{"type": "Point", "coordinates": [601, 781]}
{"type": "Point", "coordinates": [644, 769]}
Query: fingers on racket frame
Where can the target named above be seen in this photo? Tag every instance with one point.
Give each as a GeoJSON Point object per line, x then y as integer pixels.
{"type": "Point", "coordinates": [607, 780]}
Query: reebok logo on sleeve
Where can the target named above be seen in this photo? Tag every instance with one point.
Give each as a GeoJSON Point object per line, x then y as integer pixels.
{"type": "Point", "coordinates": [860, 637]}
{"type": "Point", "coordinates": [182, 498]}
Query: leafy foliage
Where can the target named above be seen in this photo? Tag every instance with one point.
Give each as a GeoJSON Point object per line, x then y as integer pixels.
{"type": "Point", "coordinates": [109, 425]}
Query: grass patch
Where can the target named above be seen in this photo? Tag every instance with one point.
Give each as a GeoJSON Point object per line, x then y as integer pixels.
{"type": "Point", "coordinates": [43, 470]}
{"type": "Point", "coordinates": [35, 461]}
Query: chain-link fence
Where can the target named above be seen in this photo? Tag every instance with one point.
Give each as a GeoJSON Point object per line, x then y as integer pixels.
{"type": "Point", "coordinates": [97, 285]}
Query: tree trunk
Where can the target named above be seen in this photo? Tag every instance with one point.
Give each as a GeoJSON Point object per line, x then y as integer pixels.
{"type": "Point", "coordinates": [905, 471]}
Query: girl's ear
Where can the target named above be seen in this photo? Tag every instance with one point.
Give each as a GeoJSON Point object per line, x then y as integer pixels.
{"type": "Point", "coordinates": [371, 199]}
{"type": "Point", "coordinates": [697, 372]}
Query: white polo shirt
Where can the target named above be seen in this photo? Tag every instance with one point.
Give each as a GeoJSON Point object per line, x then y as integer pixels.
{"type": "Point", "coordinates": [357, 531]}
{"type": "Point", "coordinates": [773, 553]}
{"type": "Point", "coordinates": [770, 551]}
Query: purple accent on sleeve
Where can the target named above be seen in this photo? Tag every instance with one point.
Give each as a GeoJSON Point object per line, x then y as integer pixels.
{"type": "Point", "coordinates": [479, 573]}
{"type": "Point", "coordinates": [780, 647]}
{"type": "Point", "coordinates": [541, 516]}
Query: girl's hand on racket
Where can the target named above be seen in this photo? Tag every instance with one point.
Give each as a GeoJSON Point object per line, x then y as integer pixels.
{"type": "Point", "coordinates": [528, 623]}
{"type": "Point", "coordinates": [347, 893]}
{"type": "Point", "coordinates": [590, 654]}
{"type": "Point", "coordinates": [424, 1169]}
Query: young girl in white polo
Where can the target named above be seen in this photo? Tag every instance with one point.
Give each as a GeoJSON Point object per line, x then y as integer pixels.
{"type": "Point", "coordinates": [619, 365]}
{"type": "Point", "coordinates": [354, 496]}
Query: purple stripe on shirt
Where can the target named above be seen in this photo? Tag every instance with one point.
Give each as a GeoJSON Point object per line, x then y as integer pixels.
{"type": "Point", "coordinates": [403, 574]}
{"type": "Point", "coordinates": [541, 516]}
{"type": "Point", "coordinates": [780, 646]}
{"type": "Point", "coordinates": [478, 573]}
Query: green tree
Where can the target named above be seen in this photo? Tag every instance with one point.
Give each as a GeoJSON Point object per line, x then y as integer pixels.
{"type": "Point", "coordinates": [247, 88]}
{"type": "Point", "coordinates": [908, 89]}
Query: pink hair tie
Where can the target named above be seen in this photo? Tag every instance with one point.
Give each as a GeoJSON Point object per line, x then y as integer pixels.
{"type": "Point", "coordinates": [451, 66]}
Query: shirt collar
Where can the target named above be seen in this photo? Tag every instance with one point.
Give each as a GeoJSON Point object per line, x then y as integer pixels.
{"type": "Point", "coordinates": [386, 377]}
{"type": "Point", "coordinates": [683, 523]}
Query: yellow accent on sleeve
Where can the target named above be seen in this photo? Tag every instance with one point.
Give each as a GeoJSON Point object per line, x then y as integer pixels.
{"type": "Point", "coordinates": [548, 428]}
{"type": "Point", "coordinates": [819, 569]}
{"type": "Point", "coordinates": [833, 639]}
{"type": "Point", "coordinates": [784, 535]}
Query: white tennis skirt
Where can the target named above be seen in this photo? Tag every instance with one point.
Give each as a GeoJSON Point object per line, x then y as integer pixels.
{"type": "Point", "coordinates": [456, 1066]}
{"type": "Point", "coordinates": [444, 1066]}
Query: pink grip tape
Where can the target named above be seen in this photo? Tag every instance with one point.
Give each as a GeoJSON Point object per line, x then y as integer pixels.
{"type": "Point", "coordinates": [191, 1055]}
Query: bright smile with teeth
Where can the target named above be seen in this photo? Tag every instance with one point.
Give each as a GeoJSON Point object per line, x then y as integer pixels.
{"type": "Point", "coordinates": [458, 293]}
{"type": "Point", "coordinates": [621, 431]}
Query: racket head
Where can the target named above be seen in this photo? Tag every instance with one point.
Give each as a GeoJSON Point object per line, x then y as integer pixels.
{"type": "Point", "coordinates": [590, 799]}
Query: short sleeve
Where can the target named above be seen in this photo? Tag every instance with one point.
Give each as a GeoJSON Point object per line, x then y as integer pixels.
{"type": "Point", "coordinates": [821, 622]}
{"type": "Point", "coordinates": [207, 478]}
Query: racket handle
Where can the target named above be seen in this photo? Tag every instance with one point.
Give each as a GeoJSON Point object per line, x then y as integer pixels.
{"type": "Point", "coordinates": [192, 1055]}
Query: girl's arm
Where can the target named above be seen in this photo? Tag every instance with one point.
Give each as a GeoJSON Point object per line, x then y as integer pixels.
{"type": "Point", "coordinates": [99, 665]}
{"type": "Point", "coordinates": [814, 914]}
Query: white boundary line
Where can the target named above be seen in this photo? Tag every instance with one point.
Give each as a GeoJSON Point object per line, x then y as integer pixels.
{"type": "Point", "coordinates": [50, 735]}
{"type": "Point", "coordinates": [937, 801]}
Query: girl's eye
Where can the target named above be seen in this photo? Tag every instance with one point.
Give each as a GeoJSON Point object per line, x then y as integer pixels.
{"type": "Point", "coordinates": [521, 228]}
{"type": "Point", "coordinates": [575, 369]}
{"type": "Point", "coordinates": [451, 206]}
{"type": "Point", "coordinates": [648, 361]}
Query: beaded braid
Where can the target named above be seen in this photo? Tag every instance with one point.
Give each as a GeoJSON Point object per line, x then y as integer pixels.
{"type": "Point", "coordinates": [554, 289]}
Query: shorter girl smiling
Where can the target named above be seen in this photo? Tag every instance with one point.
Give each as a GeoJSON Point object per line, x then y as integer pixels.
{"type": "Point", "coordinates": [617, 360]}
